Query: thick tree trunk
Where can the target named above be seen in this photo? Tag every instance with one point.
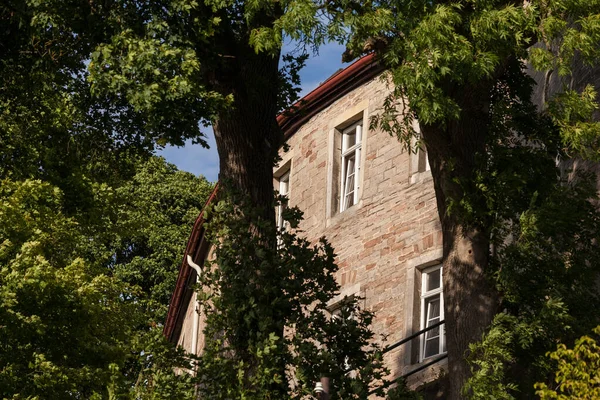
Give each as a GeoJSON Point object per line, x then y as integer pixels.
{"type": "Point", "coordinates": [470, 301]}
{"type": "Point", "coordinates": [248, 139]}
{"type": "Point", "coordinates": [247, 136]}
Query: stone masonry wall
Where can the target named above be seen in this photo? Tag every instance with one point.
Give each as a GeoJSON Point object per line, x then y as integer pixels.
{"type": "Point", "coordinates": [382, 241]}
{"type": "Point", "coordinates": [185, 337]}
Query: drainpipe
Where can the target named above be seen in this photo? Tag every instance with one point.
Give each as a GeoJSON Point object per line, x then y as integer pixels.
{"type": "Point", "coordinates": [196, 268]}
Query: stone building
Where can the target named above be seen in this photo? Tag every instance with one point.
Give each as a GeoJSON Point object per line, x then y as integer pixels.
{"type": "Point", "coordinates": [375, 203]}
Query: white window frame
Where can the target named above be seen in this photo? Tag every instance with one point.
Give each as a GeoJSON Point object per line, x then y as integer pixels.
{"type": "Point", "coordinates": [284, 190]}
{"type": "Point", "coordinates": [425, 320]}
{"type": "Point", "coordinates": [347, 187]}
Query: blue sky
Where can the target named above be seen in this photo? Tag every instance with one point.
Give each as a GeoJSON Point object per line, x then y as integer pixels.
{"type": "Point", "coordinates": [201, 161]}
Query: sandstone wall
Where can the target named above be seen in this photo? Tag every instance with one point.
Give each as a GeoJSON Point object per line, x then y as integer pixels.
{"type": "Point", "coordinates": [391, 232]}
{"type": "Point", "coordinates": [185, 337]}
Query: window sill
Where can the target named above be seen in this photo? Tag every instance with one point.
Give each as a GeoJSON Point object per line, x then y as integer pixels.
{"type": "Point", "coordinates": [429, 373]}
{"type": "Point", "coordinates": [419, 177]}
{"type": "Point", "coordinates": [344, 215]}
{"type": "Point", "coordinates": [431, 358]}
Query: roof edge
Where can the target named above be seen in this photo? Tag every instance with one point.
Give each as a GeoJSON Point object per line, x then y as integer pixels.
{"type": "Point", "coordinates": [175, 305]}
{"type": "Point", "coordinates": [339, 84]}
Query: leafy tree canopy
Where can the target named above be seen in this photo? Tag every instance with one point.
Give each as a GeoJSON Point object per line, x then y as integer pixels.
{"type": "Point", "coordinates": [161, 205]}
{"type": "Point", "coordinates": [92, 227]}
{"type": "Point", "coordinates": [81, 294]}
{"type": "Point", "coordinates": [437, 49]}
{"type": "Point", "coordinates": [175, 61]}
{"type": "Point", "coordinates": [577, 372]}
{"type": "Point", "coordinates": [250, 287]}
{"type": "Point", "coordinates": [63, 318]}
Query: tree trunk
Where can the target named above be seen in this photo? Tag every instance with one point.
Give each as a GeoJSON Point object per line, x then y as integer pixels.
{"type": "Point", "coordinates": [248, 140]}
{"type": "Point", "coordinates": [248, 136]}
{"type": "Point", "coordinates": [470, 301]}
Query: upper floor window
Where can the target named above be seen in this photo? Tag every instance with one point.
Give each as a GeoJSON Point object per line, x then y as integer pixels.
{"type": "Point", "coordinates": [347, 141]}
{"type": "Point", "coordinates": [284, 189]}
{"type": "Point", "coordinates": [433, 342]}
{"type": "Point", "coordinates": [350, 165]}
{"type": "Point", "coordinates": [419, 160]}
{"type": "Point", "coordinates": [342, 309]}
{"type": "Point", "coordinates": [422, 160]}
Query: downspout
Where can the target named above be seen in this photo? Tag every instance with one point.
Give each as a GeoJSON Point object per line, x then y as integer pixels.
{"type": "Point", "coordinates": [196, 268]}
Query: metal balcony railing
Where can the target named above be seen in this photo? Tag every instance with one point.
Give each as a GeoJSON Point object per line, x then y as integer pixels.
{"type": "Point", "coordinates": [426, 363]}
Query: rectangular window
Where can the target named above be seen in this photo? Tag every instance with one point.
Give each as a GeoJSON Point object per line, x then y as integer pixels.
{"type": "Point", "coordinates": [350, 165]}
{"type": "Point", "coordinates": [433, 342]}
{"type": "Point", "coordinates": [284, 189]}
{"type": "Point", "coordinates": [345, 315]}
{"type": "Point", "coordinates": [423, 160]}
{"type": "Point", "coordinates": [419, 160]}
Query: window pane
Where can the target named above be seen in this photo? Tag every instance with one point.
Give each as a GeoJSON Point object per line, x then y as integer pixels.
{"type": "Point", "coordinates": [433, 280]}
{"type": "Point", "coordinates": [349, 166]}
{"type": "Point", "coordinates": [432, 305]}
{"type": "Point", "coordinates": [280, 222]}
{"type": "Point", "coordinates": [349, 200]}
{"type": "Point", "coordinates": [435, 332]}
{"type": "Point", "coordinates": [283, 186]}
{"type": "Point", "coordinates": [432, 347]}
{"type": "Point", "coordinates": [433, 341]}
{"type": "Point", "coordinates": [348, 192]}
{"type": "Point", "coordinates": [444, 338]}
{"type": "Point", "coordinates": [349, 139]}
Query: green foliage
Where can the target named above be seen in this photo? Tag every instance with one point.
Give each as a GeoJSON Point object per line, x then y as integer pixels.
{"type": "Point", "coordinates": [64, 319]}
{"type": "Point", "coordinates": [50, 126]}
{"type": "Point", "coordinates": [176, 62]}
{"type": "Point", "coordinates": [573, 113]}
{"type": "Point", "coordinates": [434, 48]}
{"type": "Point", "coordinates": [491, 356]}
{"type": "Point", "coordinates": [80, 292]}
{"type": "Point", "coordinates": [161, 371]}
{"type": "Point", "coordinates": [577, 371]}
{"type": "Point", "coordinates": [91, 227]}
{"type": "Point", "coordinates": [157, 207]}
{"type": "Point", "coordinates": [74, 238]}
{"type": "Point", "coordinates": [456, 69]}
{"type": "Point", "coordinates": [157, 78]}
{"type": "Point", "coordinates": [545, 272]}
{"type": "Point", "coordinates": [87, 92]}
{"type": "Point", "coordinates": [269, 332]}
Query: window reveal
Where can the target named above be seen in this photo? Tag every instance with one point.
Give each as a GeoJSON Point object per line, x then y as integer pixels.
{"type": "Point", "coordinates": [422, 160]}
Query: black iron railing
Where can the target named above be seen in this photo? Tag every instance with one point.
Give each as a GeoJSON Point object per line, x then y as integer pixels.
{"type": "Point", "coordinates": [422, 366]}
{"type": "Point", "coordinates": [411, 337]}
